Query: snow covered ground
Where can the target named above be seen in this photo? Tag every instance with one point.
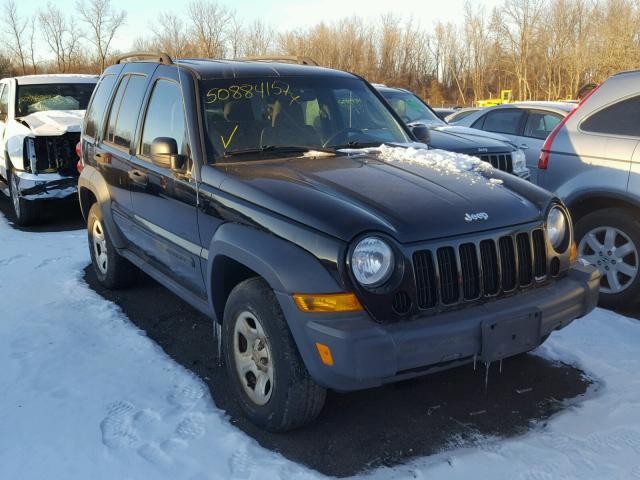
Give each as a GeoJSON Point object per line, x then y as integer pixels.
{"type": "Point", "coordinates": [85, 394]}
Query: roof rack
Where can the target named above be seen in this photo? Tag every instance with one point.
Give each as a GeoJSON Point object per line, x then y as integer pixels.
{"type": "Point", "coordinates": [156, 56]}
{"type": "Point", "coordinates": [299, 59]}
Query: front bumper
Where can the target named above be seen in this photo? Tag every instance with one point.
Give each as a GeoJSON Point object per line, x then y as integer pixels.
{"type": "Point", "coordinates": [46, 186]}
{"type": "Point", "coordinates": [368, 354]}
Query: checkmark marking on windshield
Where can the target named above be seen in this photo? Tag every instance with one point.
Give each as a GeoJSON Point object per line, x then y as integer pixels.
{"type": "Point", "coordinates": [226, 144]}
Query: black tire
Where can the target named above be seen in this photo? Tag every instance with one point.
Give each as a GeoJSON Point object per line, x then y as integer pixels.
{"type": "Point", "coordinates": [295, 399]}
{"type": "Point", "coordinates": [113, 271]}
{"type": "Point", "coordinates": [626, 222]}
{"type": "Point", "coordinates": [25, 212]}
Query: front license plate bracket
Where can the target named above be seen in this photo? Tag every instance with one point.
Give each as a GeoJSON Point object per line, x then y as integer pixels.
{"type": "Point", "coordinates": [506, 338]}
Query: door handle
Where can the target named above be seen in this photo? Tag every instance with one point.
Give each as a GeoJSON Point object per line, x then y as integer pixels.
{"type": "Point", "coordinates": [138, 177]}
{"type": "Point", "coordinates": [523, 146]}
{"type": "Point", "coordinates": [102, 158]}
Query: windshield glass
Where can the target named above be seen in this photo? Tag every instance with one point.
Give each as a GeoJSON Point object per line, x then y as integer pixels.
{"type": "Point", "coordinates": [38, 98]}
{"type": "Point", "coordinates": [410, 108]}
{"type": "Point", "coordinates": [313, 112]}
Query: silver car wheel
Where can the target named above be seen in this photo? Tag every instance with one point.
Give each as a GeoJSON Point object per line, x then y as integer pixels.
{"type": "Point", "coordinates": [252, 356]}
{"type": "Point", "coordinates": [100, 247]}
{"type": "Point", "coordinates": [614, 254]}
{"type": "Point", "coordinates": [15, 195]}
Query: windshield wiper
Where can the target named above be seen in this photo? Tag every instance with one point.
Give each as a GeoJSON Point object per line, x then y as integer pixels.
{"type": "Point", "coordinates": [358, 145]}
{"type": "Point", "coordinates": [277, 149]}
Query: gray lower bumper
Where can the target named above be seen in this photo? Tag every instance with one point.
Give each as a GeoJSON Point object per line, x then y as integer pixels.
{"type": "Point", "coordinates": [368, 354]}
{"type": "Point", "coordinates": [46, 186]}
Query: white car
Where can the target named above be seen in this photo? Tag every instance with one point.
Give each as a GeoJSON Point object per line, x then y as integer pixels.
{"type": "Point", "coordinates": [40, 123]}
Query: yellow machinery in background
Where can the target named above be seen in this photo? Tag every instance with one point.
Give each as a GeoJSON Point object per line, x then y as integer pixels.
{"type": "Point", "coordinates": [506, 96]}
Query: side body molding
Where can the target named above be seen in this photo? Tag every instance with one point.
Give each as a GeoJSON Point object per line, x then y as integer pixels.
{"type": "Point", "coordinates": [285, 266]}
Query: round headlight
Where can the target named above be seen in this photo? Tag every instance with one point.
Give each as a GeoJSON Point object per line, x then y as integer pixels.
{"type": "Point", "coordinates": [372, 261]}
{"type": "Point", "coordinates": [557, 227]}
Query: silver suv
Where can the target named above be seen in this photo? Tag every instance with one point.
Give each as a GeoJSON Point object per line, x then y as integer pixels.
{"type": "Point", "coordinates": [592, 161]}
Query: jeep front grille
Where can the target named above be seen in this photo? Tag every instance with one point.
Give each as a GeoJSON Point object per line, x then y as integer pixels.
{"type": "Point", "coordinates": [470, 271]}
{"type": "Point", "coordinates": [501, 161]}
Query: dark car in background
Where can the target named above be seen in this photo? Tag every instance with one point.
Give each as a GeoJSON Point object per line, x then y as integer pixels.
{"type": "Point", "coordinates": [491, 148]}
{"type": "Point", "coordinates": [290, 204]}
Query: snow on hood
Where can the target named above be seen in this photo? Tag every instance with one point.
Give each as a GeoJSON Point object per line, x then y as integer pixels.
{"type": "Point", "coordinates": [54, 122]}
{"type": "Point", "coordinates": [466, 167]}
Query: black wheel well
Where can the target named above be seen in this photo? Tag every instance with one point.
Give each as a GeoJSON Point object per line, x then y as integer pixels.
{"type": "Point", "coordinates": [227, 273]}
{"type": "Point", "coordinates": [87, 199]}
{"type": "Point", "coordinates": [591, 203]}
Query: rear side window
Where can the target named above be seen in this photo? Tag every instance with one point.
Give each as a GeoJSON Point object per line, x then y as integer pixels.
{"type": "Point", "coordinates": [96, 110]}
{"type": "Point", "coordinates": [165, 117]}
{"type": "Point", "coordinates": [622, 118]}
{"type": "Point", "coordinates": [541, 124]}
{"type": "Point", "coordinates": [503, 121]}
{"type": "Point", "coordinates": [124, 110]}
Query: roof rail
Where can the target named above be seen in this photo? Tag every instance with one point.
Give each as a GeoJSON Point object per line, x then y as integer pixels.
{"type": "Point", "coordinates": [156, 56]}
{"type": "Point", "coordinates": [299, 59]}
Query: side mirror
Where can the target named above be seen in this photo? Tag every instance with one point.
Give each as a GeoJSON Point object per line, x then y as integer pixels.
{"type": "Point", "coordinates": [421, 132]}
{"type": "Point", "coordinates": [164, 153]}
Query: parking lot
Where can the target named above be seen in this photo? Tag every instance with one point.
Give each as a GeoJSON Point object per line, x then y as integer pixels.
{"type": "Point", "coordinates": [358, 432]}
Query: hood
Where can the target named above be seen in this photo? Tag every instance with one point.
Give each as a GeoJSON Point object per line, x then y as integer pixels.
{"type": "Point", "coordinates": [53, 122]}
{"type": "Point", "coordinates": [410, 194]}
{"type": "Point", "coordinates": [468, 140]}
{"type": "Point", "coordinates": [474, 132]}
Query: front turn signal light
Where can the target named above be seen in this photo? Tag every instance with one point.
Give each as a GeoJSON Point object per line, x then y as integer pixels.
{"type": "Point", "coordinates": [325, 354]}
{"type": "Point", "coordinates": [573, 255]}
{"type": "Point", "coordinates": [330, 302]}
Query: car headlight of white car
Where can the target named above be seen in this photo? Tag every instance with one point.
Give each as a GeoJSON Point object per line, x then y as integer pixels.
{"type": "Point", "coordinates": [519, 161]}
{"type": "Point", "coordinates": [372, 261]}
{"type": "Point", "coordinates": [558, 229]}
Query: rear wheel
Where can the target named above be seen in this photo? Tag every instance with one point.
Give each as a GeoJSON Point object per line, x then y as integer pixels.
{"type": "Point", "coordinates": [26, 212]}
{"type": "Point", "coordinates": [111, 269]}
{"type": "Point", "coordinates": [609, 239]}
{"type": "Point", "coordinates": [263, 364]}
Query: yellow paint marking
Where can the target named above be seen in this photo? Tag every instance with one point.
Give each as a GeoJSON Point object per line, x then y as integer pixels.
{"type": "Point", "coordinates": [226, 144]}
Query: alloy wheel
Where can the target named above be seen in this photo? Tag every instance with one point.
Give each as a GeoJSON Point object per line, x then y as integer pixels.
{"type": "Point", "coordinates": [613, 252]}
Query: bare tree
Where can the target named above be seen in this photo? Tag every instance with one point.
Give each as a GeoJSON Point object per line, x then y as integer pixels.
{"type": "Point", "coordinates": [16, 31]}
{"type": "Point", "coordinates": [61, 36]}
{"type": "Point", "coordinates": [103, 22]}
{"type": "Point", "coordinates": [209, 24]}
{"type": "Point", "coordinates": [170, 35]}
{"type": "Point", "coordinates": [257, 39]}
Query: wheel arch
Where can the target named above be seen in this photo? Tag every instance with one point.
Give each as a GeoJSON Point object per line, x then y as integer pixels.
{"type": "Point", "coordinates": [238, 252]}
{"type": "Point", "coordinates": [588, 202]}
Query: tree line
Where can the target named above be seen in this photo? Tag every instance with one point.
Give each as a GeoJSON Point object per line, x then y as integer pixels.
{"type": "Point", "coordinates": [540, 49]}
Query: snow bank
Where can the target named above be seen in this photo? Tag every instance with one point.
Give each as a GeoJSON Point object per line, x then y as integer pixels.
{"type": "Point", "coordinates": [85, 394]}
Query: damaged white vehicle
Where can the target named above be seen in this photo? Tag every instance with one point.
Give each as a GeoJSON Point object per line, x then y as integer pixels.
{"type": "Point", "coordinates": [40, 123]}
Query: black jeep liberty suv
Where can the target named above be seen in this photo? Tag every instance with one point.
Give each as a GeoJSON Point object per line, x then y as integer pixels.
{"type": "Point", "coordinates": [291, 205]}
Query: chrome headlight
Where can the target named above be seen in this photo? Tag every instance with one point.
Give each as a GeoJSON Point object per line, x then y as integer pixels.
{"type": "Point", "coordinates": [519, 161]}
{"type": "Point", "coordinates": [557, 229]}
{"type": "Point", "coordinates": [372, 261]}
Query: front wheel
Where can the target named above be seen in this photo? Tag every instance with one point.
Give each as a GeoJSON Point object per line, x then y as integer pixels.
{"type": "Point", "coordinates": [263, 364]}
{"type": "Point", "coordinates": [609, 239]}
{"type": "Point", "coordinates": [112, 270]}
{"type": "Point", "coordinates": [26, 212]}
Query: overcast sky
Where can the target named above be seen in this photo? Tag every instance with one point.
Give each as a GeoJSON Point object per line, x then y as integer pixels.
{"type": "Point", "coordinates": [281, 14]}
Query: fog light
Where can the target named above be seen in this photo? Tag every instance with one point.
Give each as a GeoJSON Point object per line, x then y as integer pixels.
{"type": "Point", "coordinates": [325, 353]}
{"type": "Point", "coordinates": [330, 302]}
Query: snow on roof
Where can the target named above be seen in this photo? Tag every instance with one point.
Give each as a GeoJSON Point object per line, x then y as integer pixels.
{"type": "Point", "coordinates": [56, 78]}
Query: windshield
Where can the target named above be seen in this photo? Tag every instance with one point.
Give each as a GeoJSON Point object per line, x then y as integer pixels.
{"type": "Point", "coordinates": [313, 112]}
{"type": "Point", "coordinates": [38, 98]}
{"type": "Point", "coordinates": [410, 108]}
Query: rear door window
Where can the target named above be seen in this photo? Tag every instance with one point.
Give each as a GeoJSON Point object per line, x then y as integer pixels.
{"type": "Point", "coordinates": [165, 117]}
{"type": "Point", "coordinates": [125, 109]}
{"type": "Point", "coordinates": [95, 113]}
{"type": "Point", "coordinates": [540, 124]}
{"type": "Point", "coordinates": [621, 118]}
{"type": "Point", "coordinates": [503, 121]}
